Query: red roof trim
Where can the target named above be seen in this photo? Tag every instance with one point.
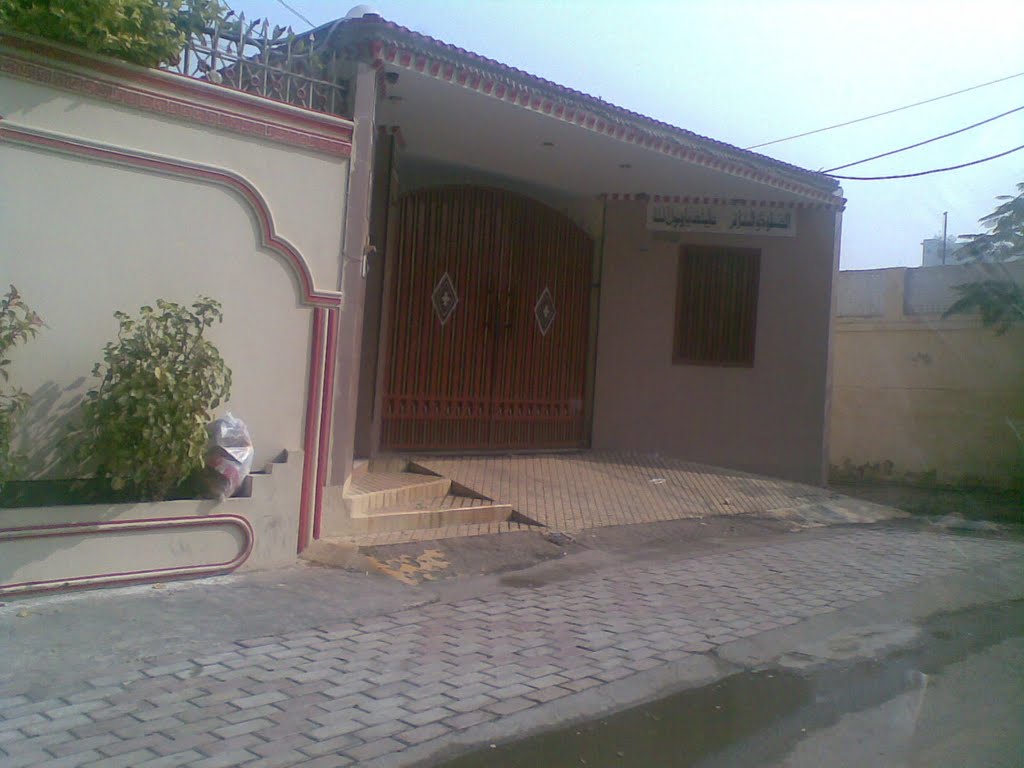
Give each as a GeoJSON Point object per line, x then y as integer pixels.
{"type": "Point", "coordinates": [837, 203]}
{"type": "Point", "coordinates": [404, 48]}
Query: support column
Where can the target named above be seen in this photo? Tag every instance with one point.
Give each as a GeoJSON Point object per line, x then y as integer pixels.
{"type": "Point", "coordinates": [353, 283]}
{"type": "Point", "coordinates": [826, 432]}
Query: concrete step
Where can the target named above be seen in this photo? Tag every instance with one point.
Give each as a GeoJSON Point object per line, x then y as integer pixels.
{"type": "Point", "coordinates": [374, 490]}
{"type": "Point", "coordinates": [439, 512]}
{"type": "Point", "coordinates": [390, 494]}
{"type": "Point", "coordinates": [389, 464]}
{"type": "Point", "coordinates": [338, 553]}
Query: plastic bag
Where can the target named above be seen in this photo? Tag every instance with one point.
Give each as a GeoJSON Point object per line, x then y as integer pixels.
{"type": "Point", "coordinates": [229, 454]}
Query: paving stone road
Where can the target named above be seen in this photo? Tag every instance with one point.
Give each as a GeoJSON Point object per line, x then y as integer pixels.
{"type": "Point", "coordinates": [352, 692]}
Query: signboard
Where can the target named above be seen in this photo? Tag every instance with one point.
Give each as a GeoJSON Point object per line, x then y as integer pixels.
{"type": "Point", "coordinates": [723, 219]}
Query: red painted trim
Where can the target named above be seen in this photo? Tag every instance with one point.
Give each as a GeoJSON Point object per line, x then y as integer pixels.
{"type": "Point", "coordinates": [326, 418]}
{"type": "Point", "coordinates": [128, 577]}
{"type": "Point", "coordinates": [615, 126]}
{"type": "Point", "coordinates": [695, 200]}
{"type": "Point", "coordinates": [151, 91]}
{"type": "Point", "coordinates": [179, 169]}
{"type": "Point", "coordinates": [316, 370]}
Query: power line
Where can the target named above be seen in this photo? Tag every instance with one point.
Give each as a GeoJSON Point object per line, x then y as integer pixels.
{"type": "Point", "coordinates": [883, 114]}
{"type": "Point", "coordinates": [934, 170]}
{"type": "Point", "coordinates": [922, 143]}
{"type": "Point", "coordinates": [282, 2]}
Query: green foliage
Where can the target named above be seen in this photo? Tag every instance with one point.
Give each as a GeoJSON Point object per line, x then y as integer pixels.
{"type": "Point", "coordinates": [146, 32]}
{"type": "Point", "coordinates": [1000, 302]}
{"type": "Point", "coordinates": [145, 425]}
{"type": "Point", "coordinates": [18, 324]}
{"type": "Point", "coordinates": [1005, 238]}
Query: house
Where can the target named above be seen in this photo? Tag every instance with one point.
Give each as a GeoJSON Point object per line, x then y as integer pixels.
{"type": "Point", "coordinates": [421, 249]}
{"type": "Point", "coordinates": [546, 270]}
{"type": "Point", "coordinates": [933, 254]}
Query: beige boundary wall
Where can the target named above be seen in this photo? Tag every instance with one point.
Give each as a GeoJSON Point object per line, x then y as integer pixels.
{"type": "Point", "coordinates": [120, 186]}
{"type": "Point", "coordinates": [102, 544]}
{"type": "Point", "coordinates": [918, 398]}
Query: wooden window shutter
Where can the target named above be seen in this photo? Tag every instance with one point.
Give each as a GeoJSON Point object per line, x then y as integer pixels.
{"type": "Point", "coordinates": [716, 306]}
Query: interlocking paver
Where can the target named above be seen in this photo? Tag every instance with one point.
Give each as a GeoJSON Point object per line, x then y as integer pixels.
{"type": "Point", "coordinates": [424, 733]}
{"type": "Point", "coordinates": [333, 745]}
{"type": "Point", "coordinates": [34, 743]}
{"type": "Point", "coordinates": [227, 759]}
{"type": "Point", "coordinates": [333, 730]}
{"type": "Point", "coordinates": [374, 749]}
{"type": "Point", "coordinates": [469, 719]}
{"type": "Point", "coordinates": [279, 759]}
{"type": "Point", "coordinates": [292, 742]}
{"type": "Point", "coordinates": [246, 726]}
{"type": "Point", "coordinates": [125, 760]}
{"type": "Point", "coordinates": [251, 702]}
{"type": "Point", "coordinates": [22, 722]}
{"type": "Point", "coordinates": [327, 761]}
{"type": "Point", "coordinates": [188, 757]}
{"type": "Point", "coordinates": [368, 687]}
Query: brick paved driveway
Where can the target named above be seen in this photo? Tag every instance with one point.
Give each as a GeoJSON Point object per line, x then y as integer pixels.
{"type": "Point", "coordinates": [574, 491]}
{"type": "Point", "coordinates": [349, 693]}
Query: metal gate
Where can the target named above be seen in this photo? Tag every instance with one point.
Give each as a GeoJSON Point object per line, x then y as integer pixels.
{"type": "Point", "coordinates": [489, 307]}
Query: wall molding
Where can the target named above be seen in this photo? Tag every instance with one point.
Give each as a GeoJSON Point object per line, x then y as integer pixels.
{"type": "Point", "coordinates": [241, 187]}
{"type": "Point", "coordinates": [176, 96]}
{"type": "Point", "coordinates": [314, 425]}
{"type": "Point", "coordinates": [126, 526]}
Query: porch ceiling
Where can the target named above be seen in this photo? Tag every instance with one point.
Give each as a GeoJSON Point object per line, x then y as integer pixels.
{"type": "Point", "coordinates": [446, 123]}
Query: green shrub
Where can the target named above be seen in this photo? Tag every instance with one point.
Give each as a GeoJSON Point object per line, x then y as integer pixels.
{"type": "Point", "coordinates": [145, 425]}
{"type": "Point", "coordinates": [146, 32]}
{"type": "Point", "coordinates": [18, 324]}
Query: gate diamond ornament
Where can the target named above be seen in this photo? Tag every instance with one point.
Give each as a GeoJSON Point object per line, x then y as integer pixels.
{"type": "Point", "coordinates": [444, 298]}
{"type": "Point", "coordinates": [544, 310]}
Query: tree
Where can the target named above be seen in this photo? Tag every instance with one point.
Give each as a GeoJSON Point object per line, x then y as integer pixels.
{"type": "Point", "coordinates": [1005, 238]}
{"type": "Point", "coordinates": [146, 32]}
{"type": "Point", "coordinates": [1000, 302]}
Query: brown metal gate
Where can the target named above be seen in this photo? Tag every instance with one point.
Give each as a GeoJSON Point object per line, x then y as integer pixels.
{"type": "Point", "coordinates": [489, 308]}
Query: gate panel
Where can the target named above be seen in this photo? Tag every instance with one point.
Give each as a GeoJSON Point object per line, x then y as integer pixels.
{"type": "Point", "coordinates": [471, 366]}
{"type": "Point", "coordinates": [540, 367]}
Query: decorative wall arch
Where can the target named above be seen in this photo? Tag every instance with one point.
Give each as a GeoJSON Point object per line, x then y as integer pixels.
{"type": "Point", "coordinates": [240, 186]}
{"type": "Point", "coordinates": [325, 304]}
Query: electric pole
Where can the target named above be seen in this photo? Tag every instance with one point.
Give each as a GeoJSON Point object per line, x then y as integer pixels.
{"type": "Point", "coordinates": [945, 221]}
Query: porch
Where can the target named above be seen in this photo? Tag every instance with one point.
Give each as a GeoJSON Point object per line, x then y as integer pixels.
{"type": "Point", "coordinates": [563, 492]}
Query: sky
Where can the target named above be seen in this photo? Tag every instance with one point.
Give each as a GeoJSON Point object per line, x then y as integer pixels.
{"type": "Point", "coordinates": [749, 72]}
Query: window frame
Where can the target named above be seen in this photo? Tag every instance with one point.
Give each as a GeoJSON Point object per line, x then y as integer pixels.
{"type": "Point", "coordinates": [719, 358]}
